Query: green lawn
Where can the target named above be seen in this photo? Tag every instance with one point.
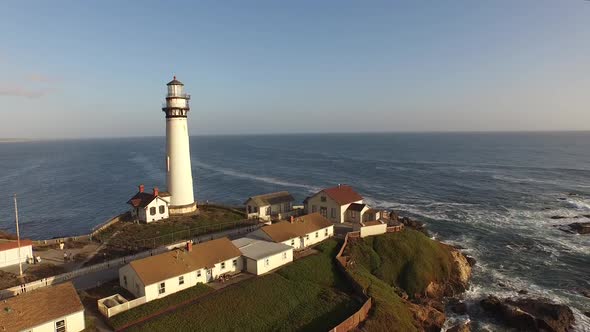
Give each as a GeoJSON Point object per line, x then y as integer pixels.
{"type": "Point", "coordinates": [307, 295]}
{"type": "Point", "coordinates": [151, 307]}
{"type": "Point", "coordinates": [408, 260]}
{"type": "Point", "coordinates": [141, 236]}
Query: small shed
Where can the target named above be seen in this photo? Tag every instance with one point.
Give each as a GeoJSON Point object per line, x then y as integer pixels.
{"type": "Point", "coordinates": [263, 256]}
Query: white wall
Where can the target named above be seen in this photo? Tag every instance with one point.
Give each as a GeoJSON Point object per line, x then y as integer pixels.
{"type": "Point", "coordinates": [10, 256]}
{"type": "Point", "coordinates": [156, 203]}
{"type": "Point", "coordinates": [322, 234]}
{"type": "Point", "coordinates": [134, 284]}
{"type": "Point", "coordinates": [373, 230]}
{"type": "Point", "coordinates": [329, 204]}
{"type": "Point", "coordinates": [273, 261]}
{"type": "Point", "coordinates": [74, 323]}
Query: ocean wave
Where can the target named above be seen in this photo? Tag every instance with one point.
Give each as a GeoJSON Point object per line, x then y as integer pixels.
{"type": "Point", "coordinates": [248, 176]}
{"type": "Point", "coordinates": [579, 203]}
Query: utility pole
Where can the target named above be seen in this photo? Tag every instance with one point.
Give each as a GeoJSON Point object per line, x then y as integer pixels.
{"type": "Point", "coordinates": [20, 263]}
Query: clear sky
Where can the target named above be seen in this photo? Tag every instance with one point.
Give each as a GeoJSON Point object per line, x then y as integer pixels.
{"type": "Point", "coordinates": [99, 68]}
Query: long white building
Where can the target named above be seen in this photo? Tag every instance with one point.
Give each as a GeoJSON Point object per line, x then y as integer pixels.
{"type": "Point", "coordinates": [167, 273]}
{"type": "Point", "coordinates": [299, 233]}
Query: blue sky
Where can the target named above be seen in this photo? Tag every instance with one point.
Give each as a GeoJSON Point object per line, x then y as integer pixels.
{"type": "Point", "coordinates": [98, 69]}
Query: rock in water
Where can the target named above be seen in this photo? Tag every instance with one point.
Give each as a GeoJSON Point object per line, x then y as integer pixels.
{"type": "Point", "coordinates": [530, 314]}
{"type": "Point", "coordinates": [581, 227]}
{"type": "Point", "coordinates": [463, 327]}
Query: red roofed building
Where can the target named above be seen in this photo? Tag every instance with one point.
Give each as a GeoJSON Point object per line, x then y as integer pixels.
{"type": "Point", "coordinates": [9, 251]}
{"type": "Point", "coordinates": [334, 203]}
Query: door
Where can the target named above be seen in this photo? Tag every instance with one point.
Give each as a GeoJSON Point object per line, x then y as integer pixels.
{"type": "Point", "coordinates": [209, 274]}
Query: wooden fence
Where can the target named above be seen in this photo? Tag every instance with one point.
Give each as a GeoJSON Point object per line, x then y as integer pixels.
{"type": "Point", "coordinates": [342, 262]}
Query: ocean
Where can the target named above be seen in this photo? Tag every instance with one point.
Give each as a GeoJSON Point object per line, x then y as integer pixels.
{"type": "Point", "coordinates": [493, 193]}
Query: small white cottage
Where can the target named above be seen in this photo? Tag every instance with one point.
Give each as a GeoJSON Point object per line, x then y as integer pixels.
{"type": "Point", "coordinates": [271, 206]}
{"type": "Point", "coordinates": [167, 273]}
{"type": "Point", "coordinates": [52, 308]}
{"type": "Point", "coordinates": [149, 207]}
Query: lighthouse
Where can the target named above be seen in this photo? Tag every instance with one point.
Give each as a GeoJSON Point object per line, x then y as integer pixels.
{"type": "Point", "coordinates": [179, 178]}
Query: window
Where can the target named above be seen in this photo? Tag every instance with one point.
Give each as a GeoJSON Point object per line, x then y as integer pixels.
{"type": "Point", "coordinates": [293, 242]}
{"type": "Point", "coordinates": [333, 212]}
{"type": "Point", "coordinates": [285, 255]}
{"type": "Point", "coordinates": [266, 262]}
{"type": "Point", "coordinates": [198, 273]}
{"type": "Point", "coordinates": [323, 198]}
{"type": "Point", "coordinates": [326, 232]}
{"type": "Point", "coordinates": [324, 211]}
{"type": "Point", "coordinates": [162, 288]}
{"type": "Point", "coordinates": [60, 326]}
{"type": "Point", "coordinates": [234, 263]}
{"type": "Point", "coordinates": [317, 234]}
{"type": "Point", "coordinates": [287, 207]}
{"type": "Point", "coordinates": [268, 211]}
{"type": "Point", "coordinates": [162, 209]}
{"type": "Point", "coordinates": [313, 209]}
{"type": "Point", "coordinates": [353, 214]}
{"type": "Point", "coordinates": [249, 209]}
{"type": "Point", "coordinates": [153, 211]}
{"type": "Point", "coordinates": [181, 280]}
{"type": "Point", "coordinates": [222, 265]}
{"type": "Point", "coordinates": [255, 209]}
{"type": "Point", "coordinates": [125, 280]}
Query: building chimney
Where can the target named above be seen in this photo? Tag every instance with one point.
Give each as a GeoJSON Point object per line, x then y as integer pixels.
{"type": "Point", "coordinates": [156, 191]}
{"type": "Point", "coordinates": [189, 246]}
{"type": "Point", "coordinates": [141, 188]}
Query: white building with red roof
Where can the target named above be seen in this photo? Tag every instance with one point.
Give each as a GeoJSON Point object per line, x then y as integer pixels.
{"type": "Point", "coordinates": [9, 252]}
{"type": "Point", "coordinates": [341, 204]}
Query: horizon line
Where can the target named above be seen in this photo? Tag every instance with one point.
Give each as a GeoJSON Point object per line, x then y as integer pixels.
{"type": "Point", "coordinates": [24, 140]}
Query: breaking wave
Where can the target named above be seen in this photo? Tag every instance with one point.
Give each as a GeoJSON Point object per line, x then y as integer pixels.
{"type": "Point", "coordinates": [248, 176]}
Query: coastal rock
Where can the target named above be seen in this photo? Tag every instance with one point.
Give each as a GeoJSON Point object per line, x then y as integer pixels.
{"type": "Point", "coordinates": [529, 314]}
{"type": "Point", "coordinates": [472, 261]}
{"type": "Point", "coordinates": [463, 327]}
{"type": "Point", "coordinates": [414, 224]}
{"type": "Point", "coordinates": [587, 313]}
{"type": "Point", "coordinates": [581, 227]}
{"type": "Point", "coordinates": [462, 271]}
{"type": "Point", "coordinates": [585, 292]}
{"type": "Point", "coordinates": [458, 307]}
{"type": "Point", "coordinates": [427, 317]}
{"type": "Point", "coordinates": [523, 292]}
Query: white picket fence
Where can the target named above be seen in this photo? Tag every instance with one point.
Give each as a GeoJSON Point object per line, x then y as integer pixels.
{"type": "Point", "coordinates": [109, 312]}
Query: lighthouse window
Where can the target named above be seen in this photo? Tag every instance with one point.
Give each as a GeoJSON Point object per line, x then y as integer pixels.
{"type": "Point", "coordinates": [162, 209]}
{"type": "Point", "coordinates": [153, 210]}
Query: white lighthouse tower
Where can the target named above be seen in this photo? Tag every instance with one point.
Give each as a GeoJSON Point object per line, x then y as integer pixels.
{"type": "Point", "coordinates": [179, 177]}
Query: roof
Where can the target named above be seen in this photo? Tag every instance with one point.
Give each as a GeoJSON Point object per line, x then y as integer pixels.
{"type": "Point", "coordinates": [39, 306]}
{"type": "Point", "coordinates": [285, 230]}
{"type": "Point", "coordinates": [272, 198]}
{"type": "Point", "coordinates": [177, 262]}
{"type": "Point", "coordinates": [11, 244]}
{"type": "Point", "coordinates": [174, 82]}
{"type": "Point", "coordinates": [342, 194]}
{"type": "Point", "coordinates": [259, 249]}
{"type": "Point", "coordinates": [164, 194]}
{"type": "Point", "coordinates": [141, 199]}
{"type": "Point", "coordinates": [356, 207]}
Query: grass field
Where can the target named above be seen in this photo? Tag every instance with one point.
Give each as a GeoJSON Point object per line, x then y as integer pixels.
{"type": "Point", "coordinates": [151, 307]}
{"type": "Point", "coordinates": [308, 295]}
{"type": "Point", "coordinates": [408, 260]}
{"type": "Point", "coordinates": [125, 238]}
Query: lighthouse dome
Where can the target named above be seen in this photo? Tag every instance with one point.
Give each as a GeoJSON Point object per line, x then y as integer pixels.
{"type": "Point", "coordinates": [175, 82]}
